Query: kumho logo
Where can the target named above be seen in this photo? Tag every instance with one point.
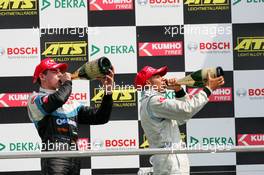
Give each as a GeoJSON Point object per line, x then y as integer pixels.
{"type": "Point", "coordinates": [71, 48]}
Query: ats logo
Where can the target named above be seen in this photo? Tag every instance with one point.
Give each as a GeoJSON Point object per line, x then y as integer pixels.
{"type": "Point", "coordinates": [101, 5]}
{"type": "Point", "coordinates": [18, 7]}
{"type": "Point", "coordinates": [218, 95]}
{"type": "Point", "coordinates": [250, 46]}
{"type": "Point", "coordinates": [161, 48]}
{"type": "Point", "coordinates": [121, 97]}
{"type": "Point", "coordinates": [210, 47]}
{"type": "Point", "coordinates": [159, 3]}
{"type": "Point", "coordinates": [66, 51]}
{"type": "Point", "coordinates": [207, 5]}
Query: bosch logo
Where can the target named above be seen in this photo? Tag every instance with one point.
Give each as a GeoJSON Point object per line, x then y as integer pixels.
{"type": "Point", "coordinates": [98, 143]}
{"type": "Point", "coordinates": [192, 46]}
{"type": "Point", "coordinates": [163, 1]}
{"type": "Point", "coordinates": [142, 2]}
{"type": "Point", "coordinates": [241, 92]}
{"type": "Point", "coordinates": [214, 45]}
{"type": "Point", "coordinates": [120, 143]}
{"type": "Point", "coordinates": [256, 92]}
{"type": "Point", "coordinates": [22, 51]}
{"type": "Point", "coordinates": [2, 51]}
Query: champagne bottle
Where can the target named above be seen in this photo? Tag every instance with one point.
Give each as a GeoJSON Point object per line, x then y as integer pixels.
{"type": "Point", "coordinates": [199, 78]}
{"type": "Point", "coordinates": [93, 69]}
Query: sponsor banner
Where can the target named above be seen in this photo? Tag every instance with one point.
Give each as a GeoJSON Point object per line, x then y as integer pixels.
{"type": "Point", "coordinates": [54, 12]}
{"type": "Point", "coordinates": [15, 11]}
{"type": "Point", "coordinates": [216, 11]}
{"type": "Point", "coordinates": [218, 95]}
{"type": "Point", "coordinates": [238, 11]}
{"type": "Point", "coordinates": [66, 45]}
{"type": "Point", "coordinates": [220, 134]}
{"type": "Point", "coordinates": [249, 131]}
{"type": "Point", "coordinates": [249, 94]}
{"type": "Point", "coordinates": [112, 136]}
{"type": "Point", "coordinates": [22, 56]}
{"type": "Point", "coordinates": [170, 12]}
{"type": "Point", "coordinates": [160, 48]}
{"type": "Point", "coordinates": [80, 93]}
{"type": "Point", "coordinates": [208, 45]}
{"type": "Point", "coordinates": [102, 5]}
{"type": "Point", "coordinates": [166, 48]}
{"type": "Point", "coordinates": [248, 46]}
{"type": "Point", "coordinates": [14, 99]}
{"type": "Point", "coordinates": [250, 139]}
{"type": "Point", "coordinates": [118, 44]}
{"type": "Point", "coordinates": [23, 142]}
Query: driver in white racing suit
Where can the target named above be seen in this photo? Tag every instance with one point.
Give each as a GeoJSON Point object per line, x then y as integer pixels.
{"type": "Point", "coordinates": [160, 117]}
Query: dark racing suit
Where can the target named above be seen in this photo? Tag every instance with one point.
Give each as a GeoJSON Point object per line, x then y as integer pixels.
{"type": "Point", "coordinates": [56, 118]}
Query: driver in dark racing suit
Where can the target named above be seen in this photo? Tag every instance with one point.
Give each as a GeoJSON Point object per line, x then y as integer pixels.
{"type": "Point", "coordinates": [56, 117]}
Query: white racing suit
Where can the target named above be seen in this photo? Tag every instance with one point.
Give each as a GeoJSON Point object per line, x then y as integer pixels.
{"type": "Point", "coordinates": [160, 119]}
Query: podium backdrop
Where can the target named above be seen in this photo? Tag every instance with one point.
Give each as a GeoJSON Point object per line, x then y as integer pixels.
{"type": "Point", "coordinates": [185, 35]}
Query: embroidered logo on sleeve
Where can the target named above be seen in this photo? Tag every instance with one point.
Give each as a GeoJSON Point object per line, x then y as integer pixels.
{"type": "Point", "coordinates": [162, 99]}
{"type": "Point", "coordinates": [45, 99]}
{"type": "Point", "coordinates": [32, 101]}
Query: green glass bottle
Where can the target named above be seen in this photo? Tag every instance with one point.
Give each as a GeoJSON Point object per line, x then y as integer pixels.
{"type": "Point", "coordinates": [93, 69]}
{"type": "Point", "coordinates": [199, 78]}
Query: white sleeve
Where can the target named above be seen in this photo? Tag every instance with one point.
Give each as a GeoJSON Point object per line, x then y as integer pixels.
{"type": "Point", "coordinates": [180, 110]}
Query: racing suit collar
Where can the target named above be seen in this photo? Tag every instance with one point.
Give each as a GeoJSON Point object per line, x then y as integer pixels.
{"type": "Point", "coordinates": [48, 91]}
{"type": "Point", "coordinates": [147, 93]}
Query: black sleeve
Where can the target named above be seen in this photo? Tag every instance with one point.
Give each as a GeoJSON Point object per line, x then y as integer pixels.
{"type": "Point", "coordinates": [181, 93]}
{"type": "Point", "coordinates": [58, 98]}
{"type": "Point", "coordinates": [89, 115]}
{"type": "Point", "coordinates": [207, 91]}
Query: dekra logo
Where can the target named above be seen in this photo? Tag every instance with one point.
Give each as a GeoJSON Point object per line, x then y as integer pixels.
{"type": "Point", "coordinates": [220, 141]}
{"type": "Point", "coordinates": [250, 44]}
{"type": "Point", "coordinates": [113, 49]}
{"type": "Point", "coordinates": [63, 4]}
{"type": "Point", "coordinates": [15, 5]}
{"type": "Point", "coordinates": [71, 48]}
{"type": "Point", "coordinates": [2, 146]}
